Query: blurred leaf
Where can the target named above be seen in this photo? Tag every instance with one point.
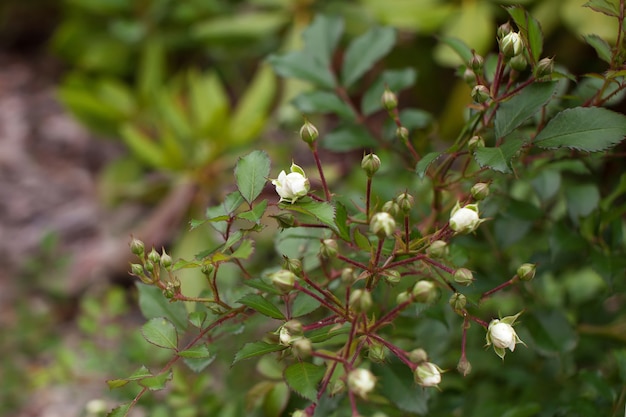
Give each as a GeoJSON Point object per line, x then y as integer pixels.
{"type": "Point", "coordinates": [603, 6]}
{"type": "Point", "coordinates": [303, 66]}
{"type": "Point", "coordinates": [398, 386]}
{"type": "Point", "coordinates": [620, 359]}
{"type": "Point", "coordinates": [250, 350]}
{"type": "Point", "coordinates": [143, 147]}
{"type": "Point", "coordinates": [121, 410]}
{"type": "Point", "coordinates": [303, 304]}
{"type": "Point", "coordinates": [415, 118]}
{"type": "Point", "coordinates": [364, 51]}
{"type": "Point", "coordinates": [157, 382]}
{"type": "Point", "coordinates": [581, 199]}
{"type": "Point", "coordinates": [458, 46]}
{"type": "Point", "coordinates": [259, 284]}
{"type": "Point", "coordinates": [323, 102]}
{"type": "Point", "coordinates": [151, 71]}
{"type": "Point", "coordinates": [153, 304]}
{"type": "Point", "coordinates": [425, 162]}
{"type": "Point", "coordinates": [276, 400]}
{"type": "Point", "coordinates": [515, 111]}
{"type": "Point", "coordinates": [246, 26]}
{"type": "Point", "coordinates": [529, 29]}
{"type": "Point", "coordinates": [551, 331]}
{"type": "Point", "coordinates": [198, 357]}
{"type": "Point", "coordinates": [262, 305]}
{"type": "Point", "coordinates": [395, 80]}
{"type": "Point", "coordinates": [303, 378]}
{"type": "Point", "coordinates": [347, 138]}
{"type": "Point", "coordinates": [547, 183]}
{"type": "Point", "coordinates": [160, 332]}
{"type": "Point", "coordinates": [602, 47]}
{"type": "Point", "coordinates": [322, 36]}
{"type": "Point", "coordinates": [525, 410]}
{"type": "Point", "coordinates": [209, 102]}
{"type": "Point", "coordinates": [421, 16]}
{"type": "Point", "coordinates": [251, 173]}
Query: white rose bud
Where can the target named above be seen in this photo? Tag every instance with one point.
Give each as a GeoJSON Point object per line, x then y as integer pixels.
{"type": "Point", "coordinates": [292, 186]}
{"type": "Point", "coordinates": [512, 45]}
{"type": "Point", "coordinates": [427, 374]}
{"type": "Point", "coordinates": [465, 219]}
{"type": "Point", "coordinates": [361, 382]}
{"type": "Point", "coordinates": [382, 224]}
{"type": "Point", "coordinates": [501, 335]}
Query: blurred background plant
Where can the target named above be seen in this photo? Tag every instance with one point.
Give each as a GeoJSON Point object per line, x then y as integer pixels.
{"type": "Point", "coordinates": [185, 88]}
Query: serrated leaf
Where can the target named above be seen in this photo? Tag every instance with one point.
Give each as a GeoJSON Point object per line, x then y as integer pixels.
{"type": "Point", "coordinates": [512, 113]}
{"type": "Point", "coordinates": [460, 47]}
{"type": "Point", "coordinates": [262, 305]}
{"type": "Point", "coordinates": [530, 30]}
{"type": "Point", "coordinates": [245, 249]}
{"type": "Point", "coordinates": [395, 80]}
{"type": "Point", "coordinates": [255, 214]}
{"type": "Point", "coordinates": [323, 102]}
{"type": "Point", "coordinates": [157, 382]}
{"type": "Point", "coordinates": [160, 332]}
{"type": "Point", "coordinates": [250, 350]}
{"type": "Point", "coordinates": [361, 240]}
{"type": "Point", "coordinates": [197, 318]}
{"type": "Point", "coordinates": [153, 304]}
{"type": "Point", "coordinates": [602, 47]}
{"type": "Point", "coordinates": [198, 357]}
{"type": "Point", "coordinates": [303, 305]}
{"type": "Point", "coordinates": [251, 173]}
{"type": "Point", "coordinates": [323, 211]}
{"type": "Point", "coordinates": [193, 223]}
{"type": "Point", "coordinates": [121, 410]}
{"type": "Point", "coordinates": [603, 6]}
{"type": "Point", "coordinates": [499, 159]}
{"type": "Point", "coordinates": [197, 351]}
{"type": "Point", "coordinates": [341, 221]}
{"type": "Point", "coordinates": [422, 165]}
{"type": "Point", "coordinates": [364, 51]}
{"type": "Point", "coordinates": [348, 138]}
{"type": "Point", "coordinates": [322, 36]}
{"type": "Point", "coordinates": [301, 65]}
{"type": "Point", "coordinates": [589, 129]}
{"type": "Point", "coordinates": [303, 378]}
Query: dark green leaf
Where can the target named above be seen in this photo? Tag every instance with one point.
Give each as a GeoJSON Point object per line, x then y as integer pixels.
{"type": "Point", "coordinates": [529, 30]}
{"type": "Point", "coordinates": [364, 51]}
{"type": "Point", "coordinates": [302, 65]}
{"type": "Point", "coordinates": [547, 183]}
{"type": "Point", "coordinates": [348, 138]}
{"type": "Point", "coordinates": [157, 382]}
{"type": "Point", "coordinates": [251, 172]}
{"type": "Point", "coordinates": [397, 385]}
{"type": "Point", "coordinates": [153, 304]}
{"type": "Point", "coordinates": [499, 159]}
{"type": "Point", "coordinates": [160, 332]}
{"type": "Point", "coordinates": [198, 357]}
{"type": "Point", "coordinates": [525, 410]}
{"type": "Point", "coordinates": [512, 113]}
{"type": "Point", "coordinates": [121, 410]}
{"type": "Point", "coordinates": [424, 163]}
{"type": "Point", "coordinates": [259, 284]}
{"type": "Point", "coordinates": [250, 350]}
{"type": "Point", "coordinates": [396, 80]}
{"type": "Point", "coordinates": [323, 102]}
{"type": "Point", "coordinates": [582, 199]}
{"type": "Point", "coordinates": [551, 331]}
{"type": "Point", "coordinates": [464, 51]}
{"type": "Point", "coordinates": [322, 36]}
{"type": "Point", "coordinates": [602, 47]}
{"type": "Point", "coordinates": [303, 378]}
{"type": "Point", "coordinates": [341, 221]}
{"type": "Point", "coordinates": [589, 129]}
{"type": "Point", "coordinates": [197, 318]}
{"type": "Point", "coordinates": [303, 305]}
{"type": "Point", "coordinates": [323, 211]}
{"type": "Point", "coordinates": [262, 305]}
{"type": "Point", "coordinates": [620, 359]}
{"type": "Point", "coordinates": [415, 118]}
{"type": "Point", "coordinates": [603, 6]}
{"type": "Point", "coordinates": [361, 240]}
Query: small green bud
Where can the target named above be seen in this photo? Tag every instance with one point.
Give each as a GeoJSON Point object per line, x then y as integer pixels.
{"type": "Point", "coordinates": [391, 207]}
{"type": "Point", "coordinates": [403, 297]}
{"type": "Point", "coordinates": [302, 348]}
{"type": "Point", "coordinates": [464, 366]}
{"type": "Point", "coordinates": [405, 201]}
{"type": "Point", "coordinates": [418, 355]}
{"type": "Point", "coordinates": [476, 63]}
{"type": "Point", "coordinates": [480, 94]}
{"type": "Point", "coordinates": [347, 276]}
{"type": "Point", "coordinates": [511, 45]}
{"type": "Point", "coordinates": [526, 272]}
{"type": "Point", "coordinates": [329, 248]}
{"type": "Point", "coordinates": [463, 276]}
{"type": "Point", "coordinates": [425, 291]}
{"type": "Point", "coordinates": [285, 220]}
{"type": "Point", "coordinates": [457, 301]}
{"type": "Point", "coordinates": [469, 77]}
{"type": "Point", "coordinates": [376, 352]}
{"type": "Point", "coordinates": [382, 224]}
{"type": "Point", "coordinates": [308, 132]}
{"type": "Point", "coordinates": [518, 63]}
{"type": "Point", "coordinates": [544, 68]}
{"type": "Point", "coordinates": [402, 133]}
{"type": "Point", "coordinates": [438, 249]}
{"type": "Point", "coordinates": [504, 30]}
{"type": "Point", "coordinates": [392, 277]}
{"type": "Point", "coordinates": [149, 266]}
{"type": "Point", "coordinates": [283, 280]}
{"type": "Point", "coordinates": [475, 142]}
{"type": "Point", "coordinates": [207, 269]}
{"type": "Point", "coordinates": [169, 292]}
{"type": "Point", "coordinates": [166, 260]}
{"type": "Point", "coordinates": [389, 100]}
{"type": "Point", "coordinates": [137, 247]}
{"type": "Point", "coordinates": [370, 164]}
{"type": "Point", "coordinates": [480, 191]}
{"type": "Point", "coordinates": [137, 270]}
{"type": "Point", "coordinates": [360, 300]}
{"type": "Point", "coordinates": [292, 264]}
{"type": "Point", "coordinates": [154, 257]}
{"type": "Point", "coordinates": [294, 327]}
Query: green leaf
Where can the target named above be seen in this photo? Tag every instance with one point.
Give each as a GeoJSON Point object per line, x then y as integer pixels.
{"type": "Point", "coordinates": [276, 400]}
{"type": "Point", "coordinates": [361, 240]}
{"type": "Point", "coordinates": [259, 284]}
{"type": "Point", "coordinates": [143, 146]}
{"type": "Point", "coordinates": [250, 350]}
{"type": "Point", "coordinates": [512, 113]}
{"type": "Point", "coordinates": [255, 214]}
{"type": "Point", "coordinates": [364, 51]}
{"type": "Point", "coordinates": [460, 47]}
{"type": "Point", "coordinates": [603, 6]}
{"type": "Point", "coordinates": [526, 410]}
{"type": "Point", "coordinates": [396, 80]}
{"type": "Point", "coordinates": [245, 249]}
{"type": "Point", "coordinates": [397, 385]}
{"type": "Point", "coordinates": [251, 173]}
{"type": "Point", "coordinates": [322, 36]}
{"type": "Point", "coordinates": [121, 410]}
{"type": "Point", "coordinates": [602, 47]}
{"type": "Point", "coordinates": [323, 102]}
{"type": "Point", "coordinates": [321, 210]}
{"type": "Point", "coordinates": [529, 30]}
{"type": "Point", "coordinates": [589, 129]}
{"type": "Point", "coordinates": [197, 318]}
{"type": "Point", "coordinates": [581, 199]}
{"type": "Point", "coordinates": [341, 221]}
{"type": "Point", "coordinates": [160, 332]}
{"type": "Point", "coordinates": [157, 382]}
{"type": "Point", "coordinates": [348, 138]}
{"type": "Point", "coordinates": [153, 304]}
{"type": "Point", "coordinates": [551, 331]}
{"type": "Point", "coordinates": [422, 166]}
{"type": "Point", "coordinates": [197, 351]}
{"type": "Point", "coordinates": [303, 378]}
{"type": "Point", "coordinates": [262, 305]}
{"type": "Point", "coordinates": [198, 357]}
{"type": "Point", "coordinates": [499, 159]}
{"type": "Point", "coordinates": [303, 305]}
{"type": "Point", "coordinates": [301, 65]}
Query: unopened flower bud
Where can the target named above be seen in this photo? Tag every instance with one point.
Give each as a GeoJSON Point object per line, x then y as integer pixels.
{"type": "Point", "coordinates": [475, 142]}
{"type": "Point", "coordinates": [207, 269]}
{"type": "Point", "coordinates": [292, 264]}
{"type": "Point", "coordinates": [427, 374]}
{"type": "Point", "coordinates": [300, 413]}
{"type": "Point", "coordinates": [137, 270]}
{"type": "Point", "coordinates": [284, 336]}
{"type": "Point", "coordinates": [518, 63]}
{"type": "Point", "coordinates": [285, 220]}
{"type": "Point", "coordinates": [480, 94]}
{"type": "Point", "coordinates": [294, 327]}
{"type": "Point", "coordinates": [544, 68]}
{"type": "Point", "coordinates": [464, 366]}
{"type": "Point", "coordinates": [511, 45]}
{"type": "Point", "coordinates": [166, 260]}
{"type": "Point", "coordinates": [402, 133]}
{"type": "Point", "coordinates": [480, 191]}
{"type": "Point", "coordinates": [405, 201]}
{"type": "Point", "coordinates": [361, 382]}
{"type": "Point", "coordinates": [391, 207]}
{"type": "Point", "coordinates": [526, 272]}
{"type": "Point", "coordinates": [370, 164]}
{"type": "Point", "coordinates": [501, 335]}
{"type": "Point", "coordinates": [360, 300]}
{"type": "Point", "coordinates": [329, 248]}
{"type": "Point", "coordinates": [382, 224]}
{"type": "Point", "coordinates": [137, 247]}
{"type": "Point", "coordinates": [463, 276]}
{"type": "Point", "coordinates": [438, 249]}
{"type": "Point", "coordinates": [418, 355]}
{"type": "Point", "coordinates": [389, 100]}
{"type": "Point", "coordinates": [302, 348]}
{"type": "Point", "coordinates": [283, 280]}
{"type": "Point", "coordinates": [308, 132]}
{"type": "Point", "coordinates": [347, 276]}
{"type": "Point", "coordinates": [404, 297]}
{"type": "Point", "coordinates": [149, 266]}
{"type": "Point", "coordinates": [476, 63]}
{"type": "Point", "coordinates": [465, 219]}
{"type": "Point", "coordinates": [469, 76]}
{"type": "Point", "coordinates": [168, 292]}
{"type": "Point", "coordinates": [376, 352]}
{"type": "Point", "coordinates": [457, 301]}
{"type": "Point", "coordinates": [392, 277]}
{"type": "Point", "coordinates": [154, 257]}
{"type": "Point", "coordinates": [504, 30]}
{"type": "Point", "coordinates": [425, 291]}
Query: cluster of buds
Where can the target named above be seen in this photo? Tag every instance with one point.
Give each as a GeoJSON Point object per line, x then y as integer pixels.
{"type": "Point", "coordinates": [426, 374]}
{"type": "Point", "coordinates": [290, 187]}
{"type": "Point", "coordinates": [149, 270]}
